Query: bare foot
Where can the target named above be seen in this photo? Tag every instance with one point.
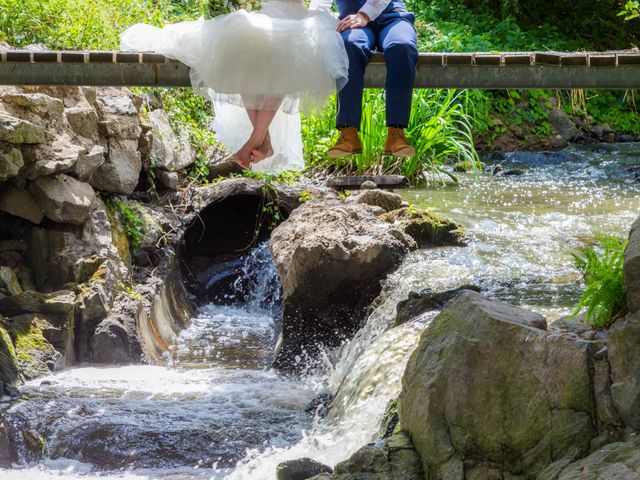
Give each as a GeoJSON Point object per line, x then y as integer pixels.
{"type": "Point", "coordinates": [265, 150]}
{"type": "Point", "coordinates": [243, 156]}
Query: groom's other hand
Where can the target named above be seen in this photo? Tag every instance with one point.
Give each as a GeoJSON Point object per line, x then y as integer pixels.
{"type": "Point", "coordinates": [357, 20]}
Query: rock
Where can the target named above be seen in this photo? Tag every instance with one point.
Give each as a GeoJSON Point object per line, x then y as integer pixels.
{"type": "Point", "coordinates": [115, 340]}
{"type": "Point", "coordinates": [15, 244]}
{"type": "Point", "coordinates": [563, 124]}
{"type": "Point", "coordinates": [11, 161]}
{"type": "Point", "coordinates": [631, 267]}
{"type": "Point", "coordinates": [8, 360]}
{"type": "Point", "coordinates": [619, 461]}
{"type": "Point", "coordinates": [63, 198]}
{"type": "Point", "coordinates": [36, 103]}
{"type": "Point", "coordinates": [87, 164]}
{"type": "Point", "coordinates": [368, 185]}
{"type": "Point", "coordinates": [625, 138]}
{"type": "Point", "coordinates": [35, 355]}
{"type": "Point", "coordinates": [425, 300]}
{"type": "Point", "coordinates": [486, 392]}
{"type": "Point", "coordinates": [20, 203]}
{"type": "Point", "coordinates": [7, 451]}
{"type": "Point", "coordinates": [378, 198]}
{"type": "Point", "coordinates": [116, 102]}
{"type": "Point", "coordinates": [83, 120]}
{"type": "Point", "coordinates": [56, 329]}
{"type": "Point", "coordinates": [74, 254]}
{"type": "Point", "coordinates": [170, 151]}
{"type": "Point", "coordinates": [168, 179]}
{"type": "Point", "coordinates": [8, 277]}
{"type": "Point", "coordinates": [393, 459]}
{"type": "Point", "coordinates": [16, 130]}
{"type": "Point", "coordinates": [624, 358]}
{"type": "Point", "coordinates": [331, 258]}
{"type": "Point", "coordinates": [300, 469]}
{"type": "Point", "coordinates": [468, 166]}
{"type": "Point", "coordinates": [426, 228]}
{"type": "Point", "coordinates": [120, 173]}
{"type": "Point", "coordinates": [57, 303]}
{"type": "Point", "coordinates": [48, 159]}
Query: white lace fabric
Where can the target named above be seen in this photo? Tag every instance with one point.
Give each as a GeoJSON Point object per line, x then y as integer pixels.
{"type": "Point", "coordinates": [245, 59]}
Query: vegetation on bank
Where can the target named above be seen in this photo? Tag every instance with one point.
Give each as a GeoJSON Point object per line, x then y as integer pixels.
{"type": "Point", "coordinates": [446, 125]}
{"type": "Point", "coordinates": [604, 299]}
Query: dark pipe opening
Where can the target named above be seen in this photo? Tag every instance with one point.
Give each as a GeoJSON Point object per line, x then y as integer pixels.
{"type": "Point", "coordinates": [217, 241]}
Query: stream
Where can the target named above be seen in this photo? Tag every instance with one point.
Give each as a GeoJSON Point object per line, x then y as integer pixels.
{"type": "Point", "coordinates": [216, 411]}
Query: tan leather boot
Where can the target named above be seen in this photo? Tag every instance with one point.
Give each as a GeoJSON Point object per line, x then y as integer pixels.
{"type": "Point", "coordinates": [348, 144]}
{"type": "Point", "coordinates": [397, 144]}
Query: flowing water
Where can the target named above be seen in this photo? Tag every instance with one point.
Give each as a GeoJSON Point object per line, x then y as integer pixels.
{"type": "Point", "coordinates": [217, 413]}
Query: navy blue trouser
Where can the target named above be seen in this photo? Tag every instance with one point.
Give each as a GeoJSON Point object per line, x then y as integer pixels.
{"type": "Point", "coordinates": [393, 34]}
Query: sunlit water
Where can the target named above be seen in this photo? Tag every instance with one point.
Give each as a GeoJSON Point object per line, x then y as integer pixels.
{"type": "Point", "coordinates": [218, 413]}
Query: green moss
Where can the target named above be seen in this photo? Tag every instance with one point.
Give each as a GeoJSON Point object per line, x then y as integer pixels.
{"type": "Point", "coordinates": [425, 227]}
{"type": "Point", "coordinates": [118, 235]}
{"type": "Point", "coordinates": [31, 348]}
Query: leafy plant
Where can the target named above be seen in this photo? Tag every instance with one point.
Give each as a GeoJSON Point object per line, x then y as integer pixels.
{"type": "Point", "coordinates": [605, 295]}
{"type": "Point", "coordinates": [631, 10]}
{"type": "Point", "coordinates": [132, 222]}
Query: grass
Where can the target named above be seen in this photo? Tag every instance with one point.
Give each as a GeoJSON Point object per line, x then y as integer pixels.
{"type": "Point", "coordinates": [440, 130]}
{"type": "Point", "coordinates": [605, 297]}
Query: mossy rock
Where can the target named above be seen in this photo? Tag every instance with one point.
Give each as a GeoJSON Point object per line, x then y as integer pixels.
{"type": "Point", "coordinates": [8, 360]}
{"type": "Point", "coordinates": [468, 166]}
{"type": "Point", "coordinates": [428, 229]}
{"type": "Point", "coordinates": [35, 355]}
{"type": "Point", "coordinates": [118, 235]}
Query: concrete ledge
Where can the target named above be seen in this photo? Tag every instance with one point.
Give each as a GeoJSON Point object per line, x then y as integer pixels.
{"type": "Point", "coordinates": [597, 70]}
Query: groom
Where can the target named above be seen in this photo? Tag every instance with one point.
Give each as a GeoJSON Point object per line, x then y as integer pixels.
{"type": "Point", "coordinates": [367, 25]}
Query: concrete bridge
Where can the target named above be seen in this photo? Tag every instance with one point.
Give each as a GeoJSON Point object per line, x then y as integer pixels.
{"type": "Point", "coordinates": [599, 70]}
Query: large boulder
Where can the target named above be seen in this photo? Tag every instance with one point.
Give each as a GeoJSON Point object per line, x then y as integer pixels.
{"type": "Point", "coordinates": [63, 198]}
{"type": "Point", "coordinates": [624, 358]}
{"type": "Point", "coordinates": [55, 157]}
{"type": "Point", "coordinates": [119, 173]}
{"type": "Point", "coordinates": [632, 267]}
{"type": "Point", "coordinates": [75, 254]}
{"type": "Point", "coordinates": [170, 151]}
{"type": "Point", "coordinates": [487, 395]}
{"type": "Point", "coordinates": [331, 258]}
{"type": "Point", "coordinates": [20, 203]}
{"type": "Point", "coordinates": [16, 130]}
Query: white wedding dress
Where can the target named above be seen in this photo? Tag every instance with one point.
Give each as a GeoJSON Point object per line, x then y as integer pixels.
{"type": "Point", "coordinates": [243, 59]}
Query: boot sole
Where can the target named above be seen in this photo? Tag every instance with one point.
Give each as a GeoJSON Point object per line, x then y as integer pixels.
{"type": "Point", "coordinates": [403, 152]}
{"type": "Point", "coordinates": [342, 153]}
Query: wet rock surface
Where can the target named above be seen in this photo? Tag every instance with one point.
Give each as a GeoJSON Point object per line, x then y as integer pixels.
{"type": "Point", "coordinates": [392, 459]}
{"type": "Point", "coordinates": [331, 259]}
{"type": "Point", "coordinates": [301, 469]}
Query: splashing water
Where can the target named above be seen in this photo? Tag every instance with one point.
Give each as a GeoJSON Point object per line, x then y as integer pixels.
{"type": "Point", "coordinates": [218, 413]}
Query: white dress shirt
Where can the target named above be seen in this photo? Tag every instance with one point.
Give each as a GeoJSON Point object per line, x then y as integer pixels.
{"type": "Point", "coordinates": [373, 8]}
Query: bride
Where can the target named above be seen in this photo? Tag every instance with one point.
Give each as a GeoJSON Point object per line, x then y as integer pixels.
{"type": "Point", "coordinates": [259, 69]}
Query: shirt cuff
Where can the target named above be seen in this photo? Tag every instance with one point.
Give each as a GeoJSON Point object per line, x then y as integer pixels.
{"type": "Point", "coordinates": [371, 11]}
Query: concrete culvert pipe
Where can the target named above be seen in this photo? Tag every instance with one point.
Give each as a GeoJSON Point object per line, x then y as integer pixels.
{"type": "Point", "coordinates": [228, 220]}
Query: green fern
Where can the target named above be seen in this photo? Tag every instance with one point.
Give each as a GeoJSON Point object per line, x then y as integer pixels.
{"type": "Point", "coordinates": [605, 294]}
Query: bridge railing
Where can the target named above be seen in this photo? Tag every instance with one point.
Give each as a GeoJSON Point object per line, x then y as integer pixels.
{"type": "Point", "coordinates": [598, 70]}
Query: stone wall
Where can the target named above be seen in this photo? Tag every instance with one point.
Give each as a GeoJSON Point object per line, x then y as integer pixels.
{"type": "Point", "coordinates": [67, 154]}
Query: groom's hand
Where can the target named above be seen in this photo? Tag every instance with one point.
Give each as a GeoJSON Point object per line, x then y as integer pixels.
{"type": "Point", "coordinates": [357, 20]}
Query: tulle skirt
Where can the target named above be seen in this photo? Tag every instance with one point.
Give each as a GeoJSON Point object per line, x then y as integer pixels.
{"type": "Point", "coordinates": [245, 59]}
